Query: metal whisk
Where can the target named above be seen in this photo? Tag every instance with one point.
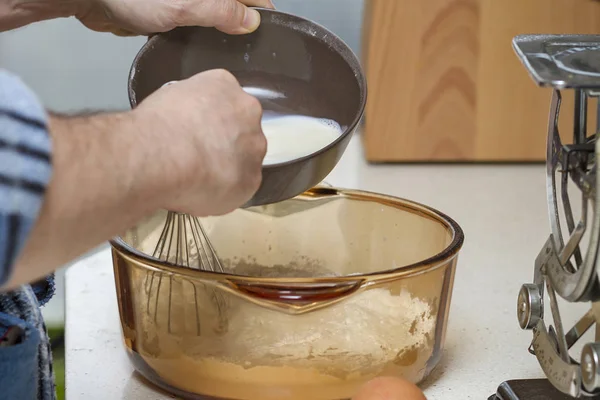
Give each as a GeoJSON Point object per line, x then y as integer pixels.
{"type": "Point", "coordinates": [183, 242]}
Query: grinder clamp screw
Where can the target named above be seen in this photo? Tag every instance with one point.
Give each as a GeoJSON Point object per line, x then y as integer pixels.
{"type": "Point", "coordinates": [590, 368]}
{"type": "Point", "coordinates": [529, 306]}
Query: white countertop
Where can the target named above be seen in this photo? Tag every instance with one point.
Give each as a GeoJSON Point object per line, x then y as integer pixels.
{"type": "Point", "coordinates": [502, 210]}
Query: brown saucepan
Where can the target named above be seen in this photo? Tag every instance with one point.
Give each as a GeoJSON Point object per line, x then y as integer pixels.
{"type": "Point", "coordinates": [292, 65]}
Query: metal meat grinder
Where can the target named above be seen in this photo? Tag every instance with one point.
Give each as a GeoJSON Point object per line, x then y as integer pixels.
{"type": "Point", "coordinates": [567, 267]}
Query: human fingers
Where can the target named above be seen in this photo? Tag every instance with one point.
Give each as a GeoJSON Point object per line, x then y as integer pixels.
{"type": "Point", "coordinates": [229, 16]}
{"type": "Point", "coordinates": [258, 3]}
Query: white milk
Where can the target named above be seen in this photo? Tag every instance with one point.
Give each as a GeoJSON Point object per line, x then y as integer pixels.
{"type": "Point", "coordinates": [294, 136]}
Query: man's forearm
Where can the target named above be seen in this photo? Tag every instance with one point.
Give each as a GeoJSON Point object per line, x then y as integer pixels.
{"type": "Point", "coordinates": [105, 178]}
{"type": "Point", "coordinates": [18, 13]}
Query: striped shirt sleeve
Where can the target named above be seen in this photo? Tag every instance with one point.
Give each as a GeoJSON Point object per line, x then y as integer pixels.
{"type": "Point", "coordinates": [25, 166]}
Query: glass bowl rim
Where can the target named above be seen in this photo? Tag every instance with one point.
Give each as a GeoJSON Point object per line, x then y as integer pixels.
{"type": "Point", "coordinates": [433, 262]}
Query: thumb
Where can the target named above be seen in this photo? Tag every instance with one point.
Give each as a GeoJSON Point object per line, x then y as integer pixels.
{"type": "Point", "coordinates": [233, 17]}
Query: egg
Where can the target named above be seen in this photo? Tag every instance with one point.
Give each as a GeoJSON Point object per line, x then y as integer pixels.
{"type": "Point", "coordinates": [388, 388]}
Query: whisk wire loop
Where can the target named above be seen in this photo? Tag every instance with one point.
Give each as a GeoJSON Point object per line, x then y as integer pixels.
{"type": "Point", "coordinates": [184, 242]}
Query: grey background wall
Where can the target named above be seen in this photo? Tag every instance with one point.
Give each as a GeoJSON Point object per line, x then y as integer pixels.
{"type": "Point", "coordinates": [74, 69]}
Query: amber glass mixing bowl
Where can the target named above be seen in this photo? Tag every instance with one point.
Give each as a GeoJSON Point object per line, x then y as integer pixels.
{"type": "Point", "coordinates": [322, 293]}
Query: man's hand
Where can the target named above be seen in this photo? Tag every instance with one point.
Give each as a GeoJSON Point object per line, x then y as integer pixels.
{"type": "Point", "coordinates": [195, 146]}
{"type": "Point", "coordinates": [211, 142]}
{"type": "Point", "coordinates": [135, 17]}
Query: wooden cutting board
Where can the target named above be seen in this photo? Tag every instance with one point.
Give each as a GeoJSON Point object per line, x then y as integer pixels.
{"type": "Point", "coordinates": [445, 84]}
